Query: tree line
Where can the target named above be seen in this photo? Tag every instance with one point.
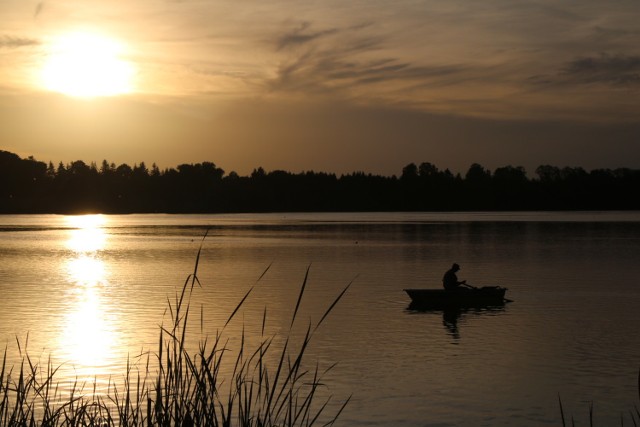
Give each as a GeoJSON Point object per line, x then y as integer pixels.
{"type": "Point", "coordinates": [31, 186]}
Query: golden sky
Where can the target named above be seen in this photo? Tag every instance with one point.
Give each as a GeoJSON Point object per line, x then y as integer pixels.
{"type": "Point", "coordinates": [329, 85]}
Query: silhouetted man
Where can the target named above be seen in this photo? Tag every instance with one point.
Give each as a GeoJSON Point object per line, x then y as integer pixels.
{"type": "Point", "coordinates": [450, 280]}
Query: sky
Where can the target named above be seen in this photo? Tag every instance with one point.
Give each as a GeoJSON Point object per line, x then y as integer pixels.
{"type": "Point", "coordinates": [331, 86]}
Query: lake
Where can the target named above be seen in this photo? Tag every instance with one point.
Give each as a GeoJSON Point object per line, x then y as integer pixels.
{"type": "Point", "coordinates": [91, 292]}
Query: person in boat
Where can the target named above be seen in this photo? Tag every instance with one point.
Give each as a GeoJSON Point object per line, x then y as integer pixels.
{"type": "Point", "coordinates": [450, 280]}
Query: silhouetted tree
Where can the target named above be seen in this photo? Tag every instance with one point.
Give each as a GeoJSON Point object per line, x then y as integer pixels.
{"type": "Point", "coordinates": [477, 189]}
{"type": "Point", "coordinates": [511, 188]}
{"type": "Point", "coordinates": [409, 172]}
{"type": "Point", "coordinates": [427, 170]}
{"type": "Point", "coordinates": [30, 186]}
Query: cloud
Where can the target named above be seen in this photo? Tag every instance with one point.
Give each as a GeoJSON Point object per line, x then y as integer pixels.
{"type": "Point", "coordinates": [38, 9]}
{"type": "Point", "coordinates": [607, 69]}
{"type": "Point", "coordinates": [11, 42]}
{"type": "Point", "coordinates": [350, 61]}
{"type": "Point", "coordinates": [391, 69]}
{"type": "Point", "coordinates": [613, 34]}
{"type": "Point", "coordinates": [301, 35]}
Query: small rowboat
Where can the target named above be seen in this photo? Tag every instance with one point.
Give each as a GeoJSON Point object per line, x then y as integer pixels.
{"type": "Point", "coordinates": [465, 297]}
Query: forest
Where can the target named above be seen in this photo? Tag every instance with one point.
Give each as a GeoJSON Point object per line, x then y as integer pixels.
{"type": "Point", "coordinates": [31, 186]}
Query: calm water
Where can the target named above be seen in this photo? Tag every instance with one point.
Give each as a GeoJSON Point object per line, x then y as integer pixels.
{"type": "Point", "coordinates": [91, 291]}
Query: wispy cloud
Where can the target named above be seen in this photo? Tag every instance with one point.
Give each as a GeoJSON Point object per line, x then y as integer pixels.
{"type": "Point", "coordinates": [606, 68]}
{"type": "Point", "coordinates": [11, 42]}
{"type": "Point", "coordinates": [348, 58]}
{"type": "Point", "coordinates": [301, 35]}
{"type": "Point", "coordinates": [38, 9]}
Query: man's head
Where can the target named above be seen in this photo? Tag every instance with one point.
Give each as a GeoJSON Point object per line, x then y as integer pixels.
{"type": "Point", "coordinates": [455, 267]}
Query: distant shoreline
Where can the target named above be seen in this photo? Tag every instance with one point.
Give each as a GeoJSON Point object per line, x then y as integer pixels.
{"type": "Point", "coordinates": [28, 186]}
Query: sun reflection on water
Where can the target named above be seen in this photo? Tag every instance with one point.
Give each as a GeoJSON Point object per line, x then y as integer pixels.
{"type": "Point", "coordinates": [87, 233]}
{"type": "Point", "coordinates": [88, 338]}
{"type": "Point", "coordinates": [86, 271]}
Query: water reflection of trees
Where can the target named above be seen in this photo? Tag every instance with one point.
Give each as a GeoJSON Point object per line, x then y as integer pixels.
{"type": "Point", "coordinates": [31, 186]}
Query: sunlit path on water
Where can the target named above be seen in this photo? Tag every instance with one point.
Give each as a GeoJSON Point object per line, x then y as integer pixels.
{"type": "Point", "coordinates": [88, 339]}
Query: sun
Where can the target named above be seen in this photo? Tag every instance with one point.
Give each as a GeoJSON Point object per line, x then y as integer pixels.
{"type": "Point", "coordinates": [86, 65]}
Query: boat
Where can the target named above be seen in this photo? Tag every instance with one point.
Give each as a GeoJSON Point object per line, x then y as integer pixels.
{"type": "Point", "coordinates": [486, 296]}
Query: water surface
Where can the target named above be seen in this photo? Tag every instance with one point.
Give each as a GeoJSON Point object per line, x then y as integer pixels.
{"type": "Point", "coordinates": [91, 292]}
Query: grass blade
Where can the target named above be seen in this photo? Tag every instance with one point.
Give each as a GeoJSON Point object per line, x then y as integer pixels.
{"type": "Point", "coordinates": [334, 304]}
{"type": "Point", "coordinates": [304, 284]}
{"type": "Point", "coordinates": [561, 411]}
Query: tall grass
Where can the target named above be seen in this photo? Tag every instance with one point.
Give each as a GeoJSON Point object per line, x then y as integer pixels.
{"type": "Point", "coordinates": [270, 384]}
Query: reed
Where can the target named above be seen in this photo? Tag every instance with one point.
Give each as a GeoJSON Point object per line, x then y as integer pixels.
{"type": "Point", "coordinates": [185, 389]}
